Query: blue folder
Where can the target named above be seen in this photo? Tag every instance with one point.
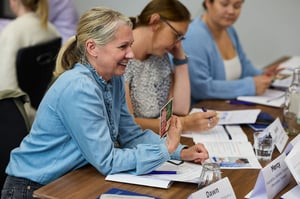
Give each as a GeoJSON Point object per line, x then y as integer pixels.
{"type": "Point", "coordinates": [125, 192]}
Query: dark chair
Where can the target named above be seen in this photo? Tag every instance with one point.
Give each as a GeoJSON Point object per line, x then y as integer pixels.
{"type": "Point", "coordinates": [35, 65]}
{"type": "Point", "coordinates": [14, 126]}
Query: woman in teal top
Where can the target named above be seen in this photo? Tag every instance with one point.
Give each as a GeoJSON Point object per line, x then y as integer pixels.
{"type": "Point", "coordinates": [84, 118]}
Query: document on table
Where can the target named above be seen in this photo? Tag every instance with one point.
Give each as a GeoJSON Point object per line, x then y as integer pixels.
{"type": "Point", "coordinates": [185, 172]}
{"type": "Point", "coordinates": [271, 97]}
{"type": "Point", "coordinates": [232, 154]}
{"type": "Point", "coordinates": [292, 194]}
{"type": "Point", "coordinates": [221, 133]}
{"type": "Point", "coordinates": [246, 116]}
{"type": "Point", "coordinates": [284, 78]}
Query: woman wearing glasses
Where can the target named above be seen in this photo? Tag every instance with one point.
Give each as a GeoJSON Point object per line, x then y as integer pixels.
{"type": "Point", "coordinates": [151, 80]}
{"type": "Point", "coordinates": [218, 65]}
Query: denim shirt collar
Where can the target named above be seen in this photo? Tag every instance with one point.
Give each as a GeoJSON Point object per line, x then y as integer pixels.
{"type": "Point", "coordinates": [108, 101]}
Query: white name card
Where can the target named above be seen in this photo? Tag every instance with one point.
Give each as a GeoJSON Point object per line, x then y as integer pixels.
{"type": "Point", "coordinates": [292, 161]}
{"type": "Point", "coordinates": [271, 179]}
{"type": "Point", "coordinates": [221, 189]}
{"type": "Point", "coordinates": [292, 143]}
{"type": "Point", "coordinates": [278, 133]}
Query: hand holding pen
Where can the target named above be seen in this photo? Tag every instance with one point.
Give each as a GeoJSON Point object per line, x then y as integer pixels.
{"type": "Point", "coordinates": [200, 121]}
{"type": "Point", "coordinates": [210, 122]}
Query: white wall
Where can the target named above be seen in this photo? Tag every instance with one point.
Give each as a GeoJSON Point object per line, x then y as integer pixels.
{"type": "Point", "coordinates": [268, 29]}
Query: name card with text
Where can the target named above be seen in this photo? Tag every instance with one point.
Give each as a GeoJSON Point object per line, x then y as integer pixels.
{"type": "Point", "coordinates": [278, 133]}
{"type": "Point", "coordinates": [220, 189]}
{"type": "Point", "coordinates": [271, 179]}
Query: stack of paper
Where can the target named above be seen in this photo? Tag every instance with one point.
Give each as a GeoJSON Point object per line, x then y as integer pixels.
{"type": "Point", "coordinates": [185, 172]}
{"type": "Point", "coordinates": [271, 97]}
{"type": "Point", "coordinates": [231, 152]}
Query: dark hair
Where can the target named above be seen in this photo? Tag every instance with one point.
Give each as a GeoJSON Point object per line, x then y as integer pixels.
{"type": "Point", "coordinates": [211, 1]}
{"type": "Point", "coordinates": [204, 5]}
{"type": "Point", "coordinates": [171, 10]}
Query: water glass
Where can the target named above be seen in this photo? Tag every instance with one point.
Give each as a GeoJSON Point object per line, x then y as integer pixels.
{"type": "Point", "coordinates": [263, 146]}
{"type": "Point", "coordinates": [211, 173]}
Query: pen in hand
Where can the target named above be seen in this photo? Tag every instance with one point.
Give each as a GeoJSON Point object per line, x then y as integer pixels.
{"type": "Point", "coordinates": [205, 110]}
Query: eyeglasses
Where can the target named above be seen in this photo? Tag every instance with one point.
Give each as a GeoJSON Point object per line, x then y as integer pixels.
{"type": "Point", "coordinates": [179, 36]}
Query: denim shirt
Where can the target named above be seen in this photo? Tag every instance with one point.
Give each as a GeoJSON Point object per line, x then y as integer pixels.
{"type": "Point", "coordinates": [107, 97]}
{"type": "Point", "coordinates": [79, 121]}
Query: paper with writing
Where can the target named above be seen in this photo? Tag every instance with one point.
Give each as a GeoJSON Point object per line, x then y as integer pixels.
{"type": "Point", "coordinates": [218, 133]}
{"type": "Point", "coordinates": [233, 154]}
{"type": "Point", "coordinates": [246, 116]}
{"type": "Point", "coordinates": [186, 172]}
{"type": "Point", "coordinates": [271, 97]}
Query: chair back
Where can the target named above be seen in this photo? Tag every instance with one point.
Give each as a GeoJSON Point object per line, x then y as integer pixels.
{"type": "Point", "coordinates": [14, 126]}
{"type": "Point", "coordinates": [35, 66]}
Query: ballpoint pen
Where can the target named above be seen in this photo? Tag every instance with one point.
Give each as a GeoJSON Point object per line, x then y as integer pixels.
{"type": "Point", "coordinates": [227, 132]}
{"type": "Point", "coordinates": [205, 110]}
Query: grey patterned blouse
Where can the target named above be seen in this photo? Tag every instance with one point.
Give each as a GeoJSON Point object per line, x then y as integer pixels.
{"type": "Point", "coordinates": [149, 82]}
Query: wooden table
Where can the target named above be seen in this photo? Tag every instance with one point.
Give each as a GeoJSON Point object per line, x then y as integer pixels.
{"type": "Point", "coordinates": [87, 182]}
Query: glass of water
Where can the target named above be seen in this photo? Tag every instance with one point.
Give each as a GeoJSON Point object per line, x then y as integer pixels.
{"type": "Point", "coordinates": [263, 146]}
{"type": "Point", "coordinates": [211, 173]}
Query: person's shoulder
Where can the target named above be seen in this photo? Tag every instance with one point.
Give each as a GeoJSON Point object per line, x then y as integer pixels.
{"type": "Point", "coordinates": [197, 32]}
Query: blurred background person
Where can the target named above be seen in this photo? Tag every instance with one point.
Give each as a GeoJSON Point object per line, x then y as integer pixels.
{"type": "Point", "coordinates": [30, 27]}
{"type": "Point", "coordinates": [218, 66]}
{"type": "Point", "coordinates": [62, 13]}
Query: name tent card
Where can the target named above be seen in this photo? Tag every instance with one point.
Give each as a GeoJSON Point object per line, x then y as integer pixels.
{"type": "Point", "coordinates": [291, 144]}
{"type": "Point", "coordinates": [278, 133]}
{"type": "Point", "coordinates": [293, 162]}
{"type": "Point", "coordinates": [271, 179]}
{"type": "Point", "coordinates": [221, 189]}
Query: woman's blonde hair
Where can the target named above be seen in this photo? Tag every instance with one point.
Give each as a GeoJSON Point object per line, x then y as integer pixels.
{"type": "Point", "coordinates": [99, 24]}
{"type": "Point", "coordinates": [40, 7]}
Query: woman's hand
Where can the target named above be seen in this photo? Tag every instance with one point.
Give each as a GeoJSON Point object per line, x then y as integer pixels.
{"type": "Point", "coordinates": [272, 71]}
{"type": "Point", "coordinates": [199, 121]}
{"type": "Point", "coordinates": [262, 82]}
{"type": "Point", "coordinates": [196, 153]}
{"type": "Point", "coordinates": [174, 134]}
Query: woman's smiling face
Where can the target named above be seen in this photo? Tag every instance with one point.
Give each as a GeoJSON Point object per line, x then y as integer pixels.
{"type": "Point", "coordinates": [111, 59]}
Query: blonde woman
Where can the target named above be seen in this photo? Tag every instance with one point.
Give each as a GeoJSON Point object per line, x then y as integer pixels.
{"type": "Point", "coordinates": [83, 118]}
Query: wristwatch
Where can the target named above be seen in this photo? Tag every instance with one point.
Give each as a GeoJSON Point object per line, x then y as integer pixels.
{"type": "Point", "coordinates": [178, 62]}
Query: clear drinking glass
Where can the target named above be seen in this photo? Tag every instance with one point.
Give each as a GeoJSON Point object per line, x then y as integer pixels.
{"type": "Point", "coordinates": [263, 146]}
{"type": "Point", "coordinates": [291, 110]}
{"type": "Point", "coordinates": [211, 173]}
